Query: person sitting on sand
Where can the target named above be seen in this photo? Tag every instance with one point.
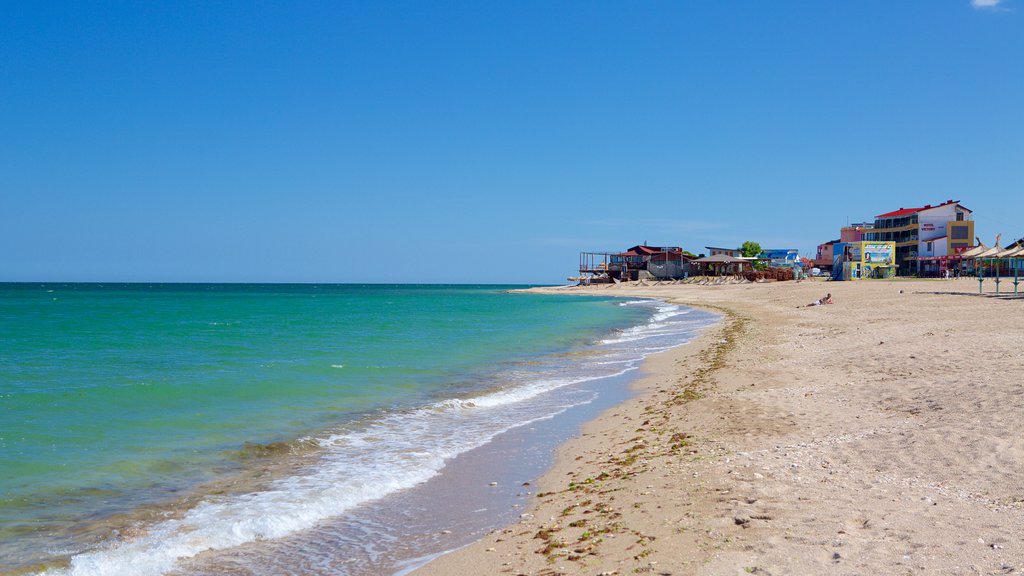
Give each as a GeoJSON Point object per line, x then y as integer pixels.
{"type": "Point", "coordinates": [826, 300]}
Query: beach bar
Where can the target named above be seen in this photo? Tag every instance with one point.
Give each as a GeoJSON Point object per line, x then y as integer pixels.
{"type": "Point", "coordinates": [723, 265]}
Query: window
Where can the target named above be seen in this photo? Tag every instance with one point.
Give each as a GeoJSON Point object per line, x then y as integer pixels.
{"type": "Point", "coordinates": [959, 216]}
{"type": "Point", "coordinates": [958, 232]}
{"type": "Point", "coordinates": [928, 246]}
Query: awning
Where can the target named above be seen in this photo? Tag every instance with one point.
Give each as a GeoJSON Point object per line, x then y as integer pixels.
{"type": "Point", "coordinates": [1012, 252]}
{"type": "Point", "coordinates": [973, 252]}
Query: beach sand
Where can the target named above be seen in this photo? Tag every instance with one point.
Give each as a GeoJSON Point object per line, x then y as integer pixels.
{"type": "Point", "coordinates": [882, 434]}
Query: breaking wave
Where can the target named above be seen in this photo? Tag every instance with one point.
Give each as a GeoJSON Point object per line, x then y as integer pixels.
{"type": "Point", "coordinates": [371, 458]}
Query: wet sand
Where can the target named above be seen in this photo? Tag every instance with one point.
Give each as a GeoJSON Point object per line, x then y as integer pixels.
{"type": "Point", "coordinates": [882, 434]}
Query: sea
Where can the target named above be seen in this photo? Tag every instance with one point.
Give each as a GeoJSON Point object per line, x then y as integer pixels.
{"type": "Point", "coordinates": [151, 429]}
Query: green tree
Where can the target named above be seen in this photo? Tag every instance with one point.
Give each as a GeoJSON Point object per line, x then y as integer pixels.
{"type": "Point", "coordinates": [750, 249]}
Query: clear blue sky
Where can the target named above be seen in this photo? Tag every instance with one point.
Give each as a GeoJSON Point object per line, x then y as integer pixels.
{"type": "Point", "coordinates": [487, 141]}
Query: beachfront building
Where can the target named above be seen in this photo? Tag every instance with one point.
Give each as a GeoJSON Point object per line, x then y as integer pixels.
{"type": "Point", "coordinates": [928, 231]}
{"type": "Point", "coordinates": [823, 257]}
{"type": "Point", "coordinates": [636, 263]}
{"type": "Point", "coordinates": [847, 234]}
{"type": "Point", "coordinates": [856, 260]}
{"type": "Point", "coordinates": [653, 262]}
{"type": "Point", "coordinates": [723, 265]}
{"type": "Point", "coordinates": [855, 232]}
{"type": "Point", "coordinates": [780, 257]}
{"type": "Point", "coordinates": [733, 252]}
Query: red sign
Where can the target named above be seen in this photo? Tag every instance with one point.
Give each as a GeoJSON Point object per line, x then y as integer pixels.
{"type": "Point", "coordinates": [927, 227]}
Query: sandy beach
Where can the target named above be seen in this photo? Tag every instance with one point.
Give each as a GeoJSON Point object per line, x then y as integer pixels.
{"type": "Point", "coordinates": [882, 434]}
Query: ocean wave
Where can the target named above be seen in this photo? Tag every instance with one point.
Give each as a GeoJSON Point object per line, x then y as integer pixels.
{"type": "Point", "coordinates": [388, 453]}
{"type": "Point", "coordinates": [398, 452]}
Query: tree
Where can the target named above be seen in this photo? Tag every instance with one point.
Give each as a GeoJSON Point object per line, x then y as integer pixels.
{"type": "Point", "coordinates": [750, 249]}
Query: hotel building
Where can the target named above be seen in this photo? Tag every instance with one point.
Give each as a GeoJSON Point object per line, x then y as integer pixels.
{"type": "Point", "coordinates": [941, 230]}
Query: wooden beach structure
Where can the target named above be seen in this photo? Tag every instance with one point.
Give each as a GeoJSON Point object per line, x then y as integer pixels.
{"type": "Point", "coordinates": [995, 263]}
{"type": "Point", "coordinates": [636, 263]}
{"type": "Point", "coordinates": [723, 265]}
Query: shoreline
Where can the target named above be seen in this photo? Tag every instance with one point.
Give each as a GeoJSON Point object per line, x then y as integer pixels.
{"type": "Point", "coordinates": [612, 392]}
{"type": "Point", "coordinates": [859, 436]}
{"type": "Point", "coordinates": [554, 490]}
{"type": "Point", "coordinates": [480, 469]}
{"type": "Point", "coordinates": [478, 489]}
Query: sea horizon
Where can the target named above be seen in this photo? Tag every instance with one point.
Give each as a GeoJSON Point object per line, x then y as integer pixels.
{"type": "Point", "coordinates": [274, 283]}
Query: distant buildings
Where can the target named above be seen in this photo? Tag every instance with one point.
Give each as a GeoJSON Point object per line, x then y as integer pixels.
{"type": "Point", "coordinates": [925, 240]}
{"type": "Point", "coordinates": [636, 263]}
{"type": "Point", "coordinates": [823, 258]}
{"type": "Point", "coordinates": [941, 230]}
{"type": "Point", "coordinates": [657, 262]}
{"type": "Point", "coordinates": [734, 252]}
{"type": "Point", "coordinates": [645, 262]}
{"type": "Point", "coordinates": [780, 257]}
{"type": "Point", "coordinates": [855, 232]}
{"type": "Point", "coordinates": [928, 231]}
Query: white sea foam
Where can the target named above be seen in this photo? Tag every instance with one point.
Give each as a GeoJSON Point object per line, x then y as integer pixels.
{"type": "Point", "coordinates": [392, 452]}
{"type": "Point", "coordinates": [395, 453]}
{"type": "Point", "coordinates": [523, 393]}
{"type": "Point", "coordinates": [657, 326]}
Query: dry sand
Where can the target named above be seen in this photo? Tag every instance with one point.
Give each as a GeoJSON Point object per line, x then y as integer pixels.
{"type": "Point", "coordinates": [883, 434]}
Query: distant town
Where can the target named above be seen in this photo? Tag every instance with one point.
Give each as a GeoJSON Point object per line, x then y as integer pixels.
{"type": "Point", "coordinates": [931, 241]}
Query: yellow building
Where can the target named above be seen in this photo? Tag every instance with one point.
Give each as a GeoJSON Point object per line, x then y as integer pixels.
{"type": "Point", "coordinates": [941, 230]}
{"type": "Point", "coordinates": [864, 259]}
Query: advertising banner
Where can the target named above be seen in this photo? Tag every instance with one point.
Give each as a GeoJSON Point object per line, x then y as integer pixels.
{"type": "Point", "coordinates": [878, 252]}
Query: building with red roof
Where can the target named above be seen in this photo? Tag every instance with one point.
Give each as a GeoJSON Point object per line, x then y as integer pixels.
{"type": "Point", "coordinates": [656, 261]}
{"type": "Point", "coordinates": [927, 231]}
{"type": "Point", "coordinates": [636, 263]}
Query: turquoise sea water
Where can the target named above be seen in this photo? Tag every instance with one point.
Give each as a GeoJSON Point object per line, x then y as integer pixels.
{"type": "Point", "coordinates": [115, 398]}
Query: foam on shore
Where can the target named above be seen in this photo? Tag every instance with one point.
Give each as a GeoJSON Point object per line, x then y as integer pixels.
{"type": "Point", "coordinates": [372, 458]}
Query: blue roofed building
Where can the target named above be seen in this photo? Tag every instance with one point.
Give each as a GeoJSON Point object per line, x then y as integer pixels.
{"type": "Point", "coordinates": [780, 256]}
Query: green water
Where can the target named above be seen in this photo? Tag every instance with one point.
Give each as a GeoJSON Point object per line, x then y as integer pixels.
{"type": "Point", "coordinates": [113, 395]}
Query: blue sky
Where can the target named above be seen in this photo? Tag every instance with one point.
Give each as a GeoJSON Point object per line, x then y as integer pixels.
{"type": "Point", "coordinates": [487, 141]}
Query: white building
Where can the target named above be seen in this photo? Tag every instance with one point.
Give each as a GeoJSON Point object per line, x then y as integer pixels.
{"type": "Point", "coordinates": [942, 227]}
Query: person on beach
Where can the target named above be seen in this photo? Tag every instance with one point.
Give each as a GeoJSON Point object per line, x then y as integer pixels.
{"type": "Point", "coordinates": [826, 300]}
